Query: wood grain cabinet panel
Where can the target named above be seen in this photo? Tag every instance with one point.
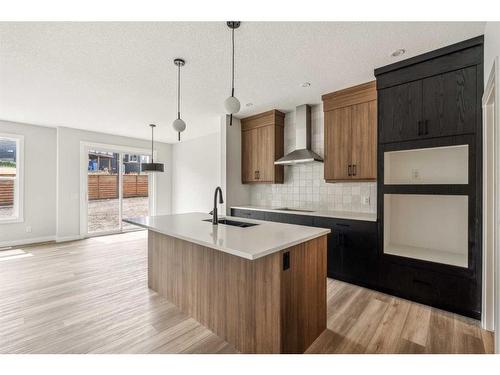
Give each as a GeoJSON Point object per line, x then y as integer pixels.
{"type": "Point", "coordinates": [437, 106]}
{"type": "Point", "coordinates": [364, 146]}
{"type": "Point", "coordinates": [351, 134]}
{"type": "Point", "coordinates": [449, 102]}
{"type": "Point", "coordinates": [248, 158]}
{"type": "Point", "coordinates": [262, 142]}
{"type": "Point", "coordinates": [265, 154]}
{"type": "Point", "coordinates": [338, 144]}
{"type": "Point", "coordinates": [400, 112]}
{"type": "Point", "coordinates": [257, 306]}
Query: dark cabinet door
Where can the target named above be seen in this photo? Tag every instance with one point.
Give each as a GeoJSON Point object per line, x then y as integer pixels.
{"type": "Point", "coordinates": [449, 102]}
{"type": "Point", "coordinates": [352, 250]}
{"type": "Point", "coordinates": [400, 110]}
{"type": "Point", "coordinates": [334, 255]}
{"type": "Point", "coordinates": [359, 255]}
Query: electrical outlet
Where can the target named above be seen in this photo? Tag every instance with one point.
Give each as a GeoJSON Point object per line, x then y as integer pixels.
{"type": "Point", "coordinates": [415, 174]}
{"type": "Point", "coordinates": [28, 228]}
{"type": "Point", "coordinates": [365, 199]}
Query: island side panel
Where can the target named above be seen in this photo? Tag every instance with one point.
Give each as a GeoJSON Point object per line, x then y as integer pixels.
{"type": "Point", "coordinates": [236, 298]}
{"type": "Point", "coordinates": [303, 296]}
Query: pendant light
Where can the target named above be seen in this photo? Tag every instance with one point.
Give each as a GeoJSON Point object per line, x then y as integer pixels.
{"type": "Point", "coordinates": [152, 167]}
{"type": "Point", "coordinates": [179, 124]}
{"type": "Point", "coordinates": [232, 104]}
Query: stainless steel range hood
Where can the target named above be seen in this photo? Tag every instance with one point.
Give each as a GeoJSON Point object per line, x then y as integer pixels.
{"type": "Point", "coordinates": [302, 152]}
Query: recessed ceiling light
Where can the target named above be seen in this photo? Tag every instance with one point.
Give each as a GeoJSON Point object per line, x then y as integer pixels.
{"type": "Point", "coordinates": [398, 52]}
{"type": "Point", "coordinates": [249, 104]}
{"type": "Point", "coordinates": [305, 84]}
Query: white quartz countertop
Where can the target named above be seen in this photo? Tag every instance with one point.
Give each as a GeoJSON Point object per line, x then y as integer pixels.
{"type": "Point", "coordinates": [250, 243]}
{"type": "Point", "coordinates": [363, 216]}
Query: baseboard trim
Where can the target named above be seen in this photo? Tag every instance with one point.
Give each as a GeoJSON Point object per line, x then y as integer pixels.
{"type": "Point", "coordinates": [27, 241]}
{"type": "Point", "coordinates": [69, 238]}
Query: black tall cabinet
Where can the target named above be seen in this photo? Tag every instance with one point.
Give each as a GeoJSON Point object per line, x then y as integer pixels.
{"type": "Point", "coordinates": [429, 107]}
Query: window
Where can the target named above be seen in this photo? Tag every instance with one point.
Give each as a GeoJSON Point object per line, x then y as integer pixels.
{"type": "Point", "coordinates": [11, 182]}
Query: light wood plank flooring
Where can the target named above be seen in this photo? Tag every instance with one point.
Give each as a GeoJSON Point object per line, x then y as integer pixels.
{"type": "Point", "coordinates": [91, 296]}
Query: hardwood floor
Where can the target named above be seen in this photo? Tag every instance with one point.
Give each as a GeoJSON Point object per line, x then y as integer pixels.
{"type": "Point", "coordinates": [91, 296]}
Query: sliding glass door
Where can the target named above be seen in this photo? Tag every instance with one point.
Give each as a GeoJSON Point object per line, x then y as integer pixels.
{"type": "Point", "coordinates": [116, 189]}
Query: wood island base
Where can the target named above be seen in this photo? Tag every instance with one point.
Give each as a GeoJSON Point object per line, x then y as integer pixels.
{"type": "Point", "coordinates": [258, 306]}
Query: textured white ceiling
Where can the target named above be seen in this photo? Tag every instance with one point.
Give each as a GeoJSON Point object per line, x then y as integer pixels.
{"type": "Point", "coordinates": [119, 77]}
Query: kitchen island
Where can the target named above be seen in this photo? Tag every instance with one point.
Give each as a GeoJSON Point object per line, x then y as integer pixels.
{"type": "Point", "coordinates": [262, 288]}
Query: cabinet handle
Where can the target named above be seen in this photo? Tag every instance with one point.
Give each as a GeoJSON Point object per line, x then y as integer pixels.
{"type": "Point", "coordinates": [354, 169]}
{"type": "Point", "coordinates": [349, 173]}
{"type": "Point", "coordinates": [258, 175]}
{"type": "Point", "coordinates": [419, 128]}
{"type": "Point", "coordinates": [426, 127]}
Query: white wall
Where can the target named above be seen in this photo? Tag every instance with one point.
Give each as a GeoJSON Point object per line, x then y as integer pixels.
{"type": "Point", "coordinates": [196, 173]}
{"type": "Point", "coordinates": [236, 193]}
{"type": "Point", "coordinates": [39, 185]}
{"type": "Point", "coordinates": [68, 176]}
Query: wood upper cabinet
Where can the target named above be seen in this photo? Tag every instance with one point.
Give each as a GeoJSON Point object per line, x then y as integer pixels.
{"type": "Point", "coordinates": [262, 142]}
{"type": "Point", "coordinates": [351, 134]}
{"type": "Point", "coordinates": [338, 144]}
{"type": "Point", "coordinates": [364, 144]}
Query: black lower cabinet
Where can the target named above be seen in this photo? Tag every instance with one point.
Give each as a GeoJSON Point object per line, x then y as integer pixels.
{"type": "Point", "coordinates": [352, 245]}
{"type": "Point", "coordinates": [447, 291]}
{"type": "Point", "coordinates": [352, 250]}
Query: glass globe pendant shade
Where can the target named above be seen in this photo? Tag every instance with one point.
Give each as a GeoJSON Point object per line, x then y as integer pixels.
{"type": "Point", "coordinates": [179, 125]}
{"type": "Point", "coordinates": [232, 105]}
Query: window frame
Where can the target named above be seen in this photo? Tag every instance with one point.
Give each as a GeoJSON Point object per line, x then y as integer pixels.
{"type": "Point", "coordinates": [18, 216]}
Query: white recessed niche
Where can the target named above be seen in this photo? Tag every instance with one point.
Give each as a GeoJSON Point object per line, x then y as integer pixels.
{"type": "Point", "coordinates": [436, 165]}
{"type": "Point", "coordinates": [427, 227]}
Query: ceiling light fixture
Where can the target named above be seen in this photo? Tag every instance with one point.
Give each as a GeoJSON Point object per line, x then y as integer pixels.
{"type": "Point", "coordinates": [152, 167]}
{"type": "Point", "coordinates": [398, 52]}
{"type": "Point", "coordinates": [305, 84]}
{"type": "Point", "coordinates": [179, 124]}
{"type": "Point", "coordinates": [232, 104]}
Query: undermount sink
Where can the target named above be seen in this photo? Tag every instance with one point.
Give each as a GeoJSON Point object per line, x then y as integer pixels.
{"type": "Point", "coordinates": [234, 223]}
{"type": "Point", "coordinates": [292, 209]}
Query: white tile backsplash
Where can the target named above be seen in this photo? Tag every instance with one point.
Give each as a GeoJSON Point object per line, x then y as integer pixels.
{"type": "Point", "coordinates": [304, 186]}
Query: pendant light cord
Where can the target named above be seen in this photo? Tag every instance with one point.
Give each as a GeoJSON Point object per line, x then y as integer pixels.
{"type": "Point", "coordinates": [179, 92]}
{"type": "Point", "coordinates": [152, 144]}
{"type": "Point", "coordinates": [232, 71]}
{"type": "Point", "coordinates": [232, 75]}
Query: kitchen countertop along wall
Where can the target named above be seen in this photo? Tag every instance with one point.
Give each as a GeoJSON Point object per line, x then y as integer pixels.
{"type": "Point", "coordinates": [304, 185]}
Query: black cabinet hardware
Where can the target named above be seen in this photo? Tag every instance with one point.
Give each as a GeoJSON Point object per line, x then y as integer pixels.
{"type": "Point", "coordinates": [354, 169]}
{"type": "Point", "coordinates": [349, 170]}
{"type": "Point", "coordinates": [286, 260]}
